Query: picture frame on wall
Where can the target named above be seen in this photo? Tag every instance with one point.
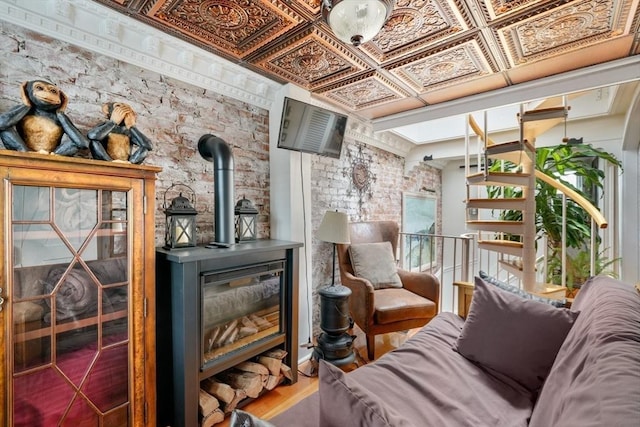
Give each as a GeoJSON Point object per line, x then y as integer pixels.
{"type": "Point", "coordinates": [418, 251]}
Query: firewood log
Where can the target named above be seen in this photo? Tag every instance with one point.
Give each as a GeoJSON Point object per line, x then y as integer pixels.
{"type": "Point", "coordinates": [215, 417]}
{"type": "Point", "coordinates": [220, 391]}
{"type": "Point", "coordinates": [260, 322]}
{"type": "Point", "coordinates": [273, 365]}
{"type": "Point", "coordinates": [229, 328]}
{"type": "Point", "coordinates": [273, 381]}
{"type": "Point", "coordinates": [212, 337]}
{"type": "Point", "coordinates": [239, 396]}
{"type": "Point", "coordinates": [248, 323]}
{"type": "Point", "coordinates": [254, 367]}
{"type": "Point", "coordinates": [231, 339]}
{"type": "Point", "coordinates": [207, 403]}
{"type": "Point", "coordinates": [246, 331]}
{"type": "Point", "coordinates": [286, 371]}
{"type": "Point", "coordinates": [276, 353]}
{"type": "Point", "coordinates": [249, 382]}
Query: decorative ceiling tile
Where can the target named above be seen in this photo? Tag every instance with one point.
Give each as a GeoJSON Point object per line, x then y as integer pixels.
{"type": "Point", "coordinates": [429, 51]}
{"type": "Point", "coordinates": [311, 59]}
{"type": "Point", "coordinates": [364, 91]}
{"type": "Point", "coordinates": [501, 8]}
{"type": "Point", "coordinates": [413, 25]}
{"type": "Point", "coordinates": [312, 6]}
{"type": "Point", "coordinates": [454, 65]}
{"type": "Point", "coordinates": [235, 27]}
{"type": "Point", "coordinates": [572, 26]}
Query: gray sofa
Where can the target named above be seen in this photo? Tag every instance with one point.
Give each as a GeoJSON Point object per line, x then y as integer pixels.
{"type": "Point", "coordinates": [577, 367]}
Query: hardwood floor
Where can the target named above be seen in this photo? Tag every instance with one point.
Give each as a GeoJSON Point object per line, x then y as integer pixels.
{"type": "Point", "coordinates": [285, 396]}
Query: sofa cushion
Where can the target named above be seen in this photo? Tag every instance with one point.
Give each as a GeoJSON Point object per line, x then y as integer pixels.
{"type": "Point", "coordinates": [393, 305]}
{"type": "Point", "coordinates": [375, 262]}
{"type": "Point", "coordinates": [344, 402]}
{"type": "Point", "coordinates": [520, 292]}
{"type": "Point", "coordinates": [428, 383]}
{"type": "Point", "coordinates": [595, 380]}
{"type": "Point", "coordinates": [513, 336]}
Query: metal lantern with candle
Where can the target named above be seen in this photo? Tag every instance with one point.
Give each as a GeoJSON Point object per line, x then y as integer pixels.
{"type": "Point", "coordinates": [246, 221]}
{"type": "Point", "coordinates": [180, 229]}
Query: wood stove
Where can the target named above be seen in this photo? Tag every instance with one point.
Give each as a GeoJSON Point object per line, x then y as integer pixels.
{"type": "Point", "coordinates": [215, 308]}
{"type": "Point", "coordinates": [335, 345]}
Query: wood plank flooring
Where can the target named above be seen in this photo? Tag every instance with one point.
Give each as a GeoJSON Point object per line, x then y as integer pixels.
{"type": "Point", "coordinates": [285, 396]}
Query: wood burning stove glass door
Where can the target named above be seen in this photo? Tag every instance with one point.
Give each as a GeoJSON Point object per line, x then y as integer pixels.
{"type": "Point", "coordinates": [241, 308]}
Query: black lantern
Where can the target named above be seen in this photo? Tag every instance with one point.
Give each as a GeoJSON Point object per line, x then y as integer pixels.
{"type": "Point", "coordinates": [246, 221]}
{"type": "Point", "coordinates": [181, 221]}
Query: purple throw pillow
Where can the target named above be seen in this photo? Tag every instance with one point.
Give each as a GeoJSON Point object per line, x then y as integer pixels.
{"type": "Point", "coordinates": [516, 337]}
{"type": "Point", "coordinates": [346, 403]}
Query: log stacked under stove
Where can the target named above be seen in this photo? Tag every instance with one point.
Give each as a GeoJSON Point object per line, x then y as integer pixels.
{"type": "Point", "coordinates": [222, 393]}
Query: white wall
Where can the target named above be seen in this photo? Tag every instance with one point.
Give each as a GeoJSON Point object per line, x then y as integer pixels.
{"type": "Point", "coordinates": [290, 208]}
{"type": "Point", "coordinates": [630, 194]}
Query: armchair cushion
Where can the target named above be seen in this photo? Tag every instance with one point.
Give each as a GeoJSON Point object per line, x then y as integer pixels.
{"type": "Point", "coordinates": [513, 336]}
{"type": "Point", "coordinates": [395, 305]}
{"type": "Point", "coordinates": [375, 262]}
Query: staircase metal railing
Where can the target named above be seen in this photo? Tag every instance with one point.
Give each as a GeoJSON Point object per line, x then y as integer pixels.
{"type": "Point", "coordinates": [449, 258]}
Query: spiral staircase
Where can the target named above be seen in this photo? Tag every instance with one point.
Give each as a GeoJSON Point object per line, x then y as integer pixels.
{"type": "Point", "coordinates": [513, 243]}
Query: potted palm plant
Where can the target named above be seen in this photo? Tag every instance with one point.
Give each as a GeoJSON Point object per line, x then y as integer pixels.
{"type": "Point", "coordinates": [561, 162]}
{"type": "Point", "coordinates": [578, 269]}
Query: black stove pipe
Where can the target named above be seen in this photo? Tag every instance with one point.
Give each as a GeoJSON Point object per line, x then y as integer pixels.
{"type": "Point", "coordinates": [213, 148]}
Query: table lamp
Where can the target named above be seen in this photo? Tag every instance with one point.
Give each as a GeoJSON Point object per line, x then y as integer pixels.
{"type": "Point", "coordinates": [334, 228]}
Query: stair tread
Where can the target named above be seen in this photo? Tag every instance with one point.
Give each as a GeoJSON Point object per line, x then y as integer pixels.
{"type": "Point", "coordinates": [501, 242]}
{"type": "Point", "coordinates": [499, 174]}
{"type": "Point", "coordinates": [496, 201]}
{"type": "Point", "coordinates": [545, 113]}
{"type": "Point", "coordinates": [509, 147]}
{"type": "Point", "coordinates": [502, 246]}
{"type": "Point", "coordinates": [494, 221]}
{"type": "Point", "coordinates": [499, 178]}
{"type": "Point", "coordinates": [497, 226]}
{"type": "Point", "coordinates": [537, 122]}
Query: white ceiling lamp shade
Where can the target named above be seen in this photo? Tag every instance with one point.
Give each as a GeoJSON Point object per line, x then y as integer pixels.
{"type": "Point", "coordinates": [356, 21]}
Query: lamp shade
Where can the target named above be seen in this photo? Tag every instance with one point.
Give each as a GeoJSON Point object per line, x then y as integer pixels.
{"type": "Point", "coordinates": [356, 21]}
{"type": "Point", "coordinates": [334, 228]}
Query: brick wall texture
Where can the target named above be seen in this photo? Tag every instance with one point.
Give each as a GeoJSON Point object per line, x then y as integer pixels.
{"type": "Point", "coordinates": [174, 115]}
{"type": "Point", "coordinates": [332, 188]}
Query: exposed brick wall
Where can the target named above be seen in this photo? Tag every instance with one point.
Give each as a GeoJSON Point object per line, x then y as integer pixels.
{"type": "Point", "coordinates": [332, 189]}
{"type": "Point", "coordinates": [174, 115]}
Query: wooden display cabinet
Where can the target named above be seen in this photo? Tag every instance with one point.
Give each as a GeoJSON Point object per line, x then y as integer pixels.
{"type": "Point", "coordinates": [78, 284]}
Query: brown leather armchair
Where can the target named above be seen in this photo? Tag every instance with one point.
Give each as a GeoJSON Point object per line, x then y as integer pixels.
{"type": "Point", "coordinates": [386, 310]}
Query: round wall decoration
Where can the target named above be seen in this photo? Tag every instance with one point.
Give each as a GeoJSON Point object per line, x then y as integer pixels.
{"type": "Point", "coordinates": [360, 175]}
{"type": "Point", "coordinates": [359, 171]}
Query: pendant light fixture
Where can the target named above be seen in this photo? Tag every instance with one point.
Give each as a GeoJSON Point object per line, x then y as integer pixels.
{"type": "Point", "coordinates": [356, 21]}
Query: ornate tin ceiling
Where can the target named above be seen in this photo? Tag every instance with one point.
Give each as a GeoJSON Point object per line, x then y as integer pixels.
{"type": "Point", "coordinates": [428, 52]}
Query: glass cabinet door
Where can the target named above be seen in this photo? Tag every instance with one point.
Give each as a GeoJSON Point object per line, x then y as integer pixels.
{"type": "Point", "coordinates": [69, 311]}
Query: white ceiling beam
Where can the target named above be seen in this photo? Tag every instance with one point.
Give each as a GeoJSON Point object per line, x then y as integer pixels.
{"type": "Point", "coordinates": [606, 74]}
